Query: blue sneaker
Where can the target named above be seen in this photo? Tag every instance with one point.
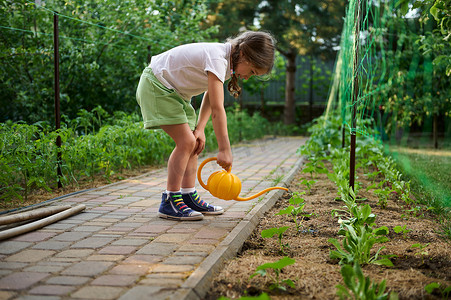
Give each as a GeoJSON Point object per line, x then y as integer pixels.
{"type": "Point", "coordinates": [172, 207]}
{"type": "Point", "coordinates": [194, 202]}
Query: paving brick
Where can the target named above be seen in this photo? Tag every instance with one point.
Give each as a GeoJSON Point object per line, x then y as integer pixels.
{"type": "Point", "coordinates": [59, 226]}
{"type": "Point", "coordinates": [71, 236]}
{"type": "Point", "coordinates": [130, 242]}
{"type": "Point", "coordinates": [87, 268]}
{"type": "Point", "coordinates": [12, 265]}
{"type": "Point", "coordinates": [118, 228]}
{"type": "Point", "coordinates": [146, 203]}
{"type": "Point", "coordinates": [183, 260]}
{"type": "Point", "coordinates": [30, 255]}
{"type": "Point", "coordinates": [45, 269]}
{"type": "Point", "coordinates": [93, 242]}
{"type": "Point", "coordinates": [10, 247]}
{"type": "Point", "coordinates": [68, 280]}
{"type": "Point", "coordinates": [55, 290]}
{"type": "Point", "coordinates": [104, 208]}
{"type": "Point", "coordinates": [88, 228]}
{"type": "Point", "coordinates": [21, 280]}
{"type": "Point", "coordinates": [36, 236]}
{"type": "Point", "coordinates": [117, 250]}
{"type": "Point", "coordinates": [115, 280]}
{"type": "Point", "coordinates": [167, 282]}
{"type": "Point", "coordinates": [163, 249]}
{"type": "Point", "coordinates": [51, 245]}
{"type": "Point", "coordinates": [7, 295]}
{"type": "Point", "coordinates": [185, 253]}
{"type": "Point", "coordinates": [146, 293]}
{"type": "Point", "coordinates": [162, 268]}
{"type": "Point", "coordinates": [211, 233]}
{"type": "Point", "coordinates": [143, 259]}
{"type": "Point", "coordinates": [196, 248]}
{"type": "Point", "coordinates": [98, 292]}
{"type": "Point", "coordinates": [232, 215]}
{"type": "Point", "coordinates": [75, 253]}
{"type": "Point", "coordinates": [152, 229]}
{"type": "Point", "coordinates": [172, 238]}
{"type": "Point", "coordinates": [84, 216]}
{"type": "Point", "coordinates": [204, 241]}
{"type": "Point", "coordinates": [105, 257]}
{"type": "Point", "coordinates": [4, 273]}
{"type": "Point", "coordinates": [130, 269]}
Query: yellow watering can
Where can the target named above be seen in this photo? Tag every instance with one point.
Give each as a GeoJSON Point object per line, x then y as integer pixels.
{"type": "Point", "coordinates": [225, 185]}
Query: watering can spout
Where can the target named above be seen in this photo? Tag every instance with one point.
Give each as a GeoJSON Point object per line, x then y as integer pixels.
{"type": "Point", "coordinates": [225, 185]}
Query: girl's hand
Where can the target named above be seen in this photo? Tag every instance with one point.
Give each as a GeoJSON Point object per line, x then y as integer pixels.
{"type": "Point", "coordinates": [199, 134]}
{"type": "Point", "coordinates": [225, 159]}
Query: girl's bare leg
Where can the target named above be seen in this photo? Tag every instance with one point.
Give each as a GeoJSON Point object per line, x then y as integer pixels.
{"type": "Point", "coordinates": [181, 157]}
{"type": "Point", "coordinates": [189, 179]}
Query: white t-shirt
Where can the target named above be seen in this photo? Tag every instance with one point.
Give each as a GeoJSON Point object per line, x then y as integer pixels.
{"type": "Point", "coordinates": [184, 68]}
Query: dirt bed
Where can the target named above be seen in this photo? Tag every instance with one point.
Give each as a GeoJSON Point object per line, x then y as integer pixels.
{"type": "Point", "coordinates": [315, 275]}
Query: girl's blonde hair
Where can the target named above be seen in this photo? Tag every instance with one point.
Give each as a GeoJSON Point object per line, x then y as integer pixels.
{"type": "Point", "coordinates": [255, 47]}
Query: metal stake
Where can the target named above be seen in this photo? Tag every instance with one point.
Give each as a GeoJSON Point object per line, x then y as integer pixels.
{"type": "Point", "coordinates": [57, 96]}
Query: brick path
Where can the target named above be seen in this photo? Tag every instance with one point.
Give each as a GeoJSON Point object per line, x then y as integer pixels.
{"type": "Point", "coordinates": [119, 249]}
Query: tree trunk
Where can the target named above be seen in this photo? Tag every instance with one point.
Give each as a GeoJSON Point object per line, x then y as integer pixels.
{"type": "Point", "coordinates": [311, 89]}
{"type": "Point", "coordinates": [434, 131]}
{"type": "Point", "coordinates": [289, 109]}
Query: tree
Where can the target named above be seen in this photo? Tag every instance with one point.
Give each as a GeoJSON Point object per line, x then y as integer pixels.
{"type": "Point", "coordinates": [306, 27]}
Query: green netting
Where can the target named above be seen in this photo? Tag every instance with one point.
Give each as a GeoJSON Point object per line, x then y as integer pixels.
{"type": "Point", "coordinates": [392, 82]}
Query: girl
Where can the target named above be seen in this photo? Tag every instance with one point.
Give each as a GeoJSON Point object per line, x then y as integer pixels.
{"type": "Point", "coordinates": [164, 94]}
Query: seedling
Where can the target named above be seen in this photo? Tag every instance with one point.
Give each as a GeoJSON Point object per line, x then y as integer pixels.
{"type": "Point", "coordinates": [308, 184]}
{"type": "Point", "coordinates": [444, 290]}
{"type": "Point", "coordinates": [383, 194]}
{"type": "Point", "coordinates": [421, 252]}
{"type": "Point", "coordinates": [277, 267]}
{"type": "Point", "coordinates": [403, 229]}
{"type": "Point", "coordinates": [315, 167]}
{"type": "Point", "coordinates": [269, 233]}
{"type": "Point", "coordinates": [296, 210]}
{"type": "Point", "coordinates": [357, 286]}
{"type": "Point", "coordinates": [357, 246]}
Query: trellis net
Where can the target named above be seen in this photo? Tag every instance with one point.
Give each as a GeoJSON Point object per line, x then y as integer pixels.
{"type": "Point", "coordinates": [391, 84]}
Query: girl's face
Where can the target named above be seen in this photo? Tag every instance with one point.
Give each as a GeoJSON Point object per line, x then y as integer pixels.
{"type": "Point", "coordinates": [244, 70]}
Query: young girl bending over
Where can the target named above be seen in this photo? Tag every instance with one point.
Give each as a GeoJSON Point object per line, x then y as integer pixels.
{"type": "Point", "coordinates": [164, 94]}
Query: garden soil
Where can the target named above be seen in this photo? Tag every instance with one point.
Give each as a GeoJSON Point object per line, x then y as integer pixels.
{"type": "Point", "coordinates": [316, 275]}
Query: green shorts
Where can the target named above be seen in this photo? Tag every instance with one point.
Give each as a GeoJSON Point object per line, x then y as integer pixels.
{"type": "Point", "coordinates": [160, 105]}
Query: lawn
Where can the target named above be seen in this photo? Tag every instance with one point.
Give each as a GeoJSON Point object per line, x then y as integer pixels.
{"type": "Point", "coordinates": [429, 170]}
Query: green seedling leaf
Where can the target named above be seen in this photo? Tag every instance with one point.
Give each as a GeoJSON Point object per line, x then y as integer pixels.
{"type": "Point", "coordinates": [431, 287]}
{"type": "Point", "coordinates": [269, 233]}
{"type": "Point", "coordinates": [381, 230]}
{"type": "Point", "coordinates": [383, 262]}
{"type": "Point", "coordinates": [285, 211]}
{"type": "Point", "coordinates": [280, 264]}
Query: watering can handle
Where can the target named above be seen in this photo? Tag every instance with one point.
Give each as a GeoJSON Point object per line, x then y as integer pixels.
{"type": "Point", "coordinates": [199, 170]}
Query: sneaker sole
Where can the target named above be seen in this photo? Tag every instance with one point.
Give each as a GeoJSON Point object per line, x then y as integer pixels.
{"type": "Point", "coordinates": [192, 218]}
{"type": "Point", "coordinates": [219, 212]}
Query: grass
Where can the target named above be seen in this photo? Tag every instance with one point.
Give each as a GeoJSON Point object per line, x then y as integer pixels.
{"type": "Point", "coordinates": [428, 170]}
{"type": "Point", "coordinates": [430, 176]}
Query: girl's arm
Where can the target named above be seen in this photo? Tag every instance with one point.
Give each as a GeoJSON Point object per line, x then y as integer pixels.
{"type": "Point", "coordinates": [199, 132]}
{"type": "Point", "coordinates": [215, 99]}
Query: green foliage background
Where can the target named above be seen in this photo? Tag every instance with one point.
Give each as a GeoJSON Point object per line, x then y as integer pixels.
{"type": "Point", "coordinates": [104, 46]}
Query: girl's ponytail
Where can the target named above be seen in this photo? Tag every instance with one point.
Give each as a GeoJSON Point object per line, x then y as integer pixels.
{"type": "Point", "coordinates": [255, 47]}
{"type": "Point", "coordinates": [233, 86]}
